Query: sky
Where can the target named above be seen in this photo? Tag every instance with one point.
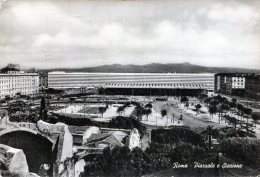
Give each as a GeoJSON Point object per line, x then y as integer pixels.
{"type": "Point", "coordinates": [81, 33]}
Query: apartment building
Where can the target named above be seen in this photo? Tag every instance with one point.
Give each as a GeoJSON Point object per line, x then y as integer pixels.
{"type": "Point", "coordinates": [13, 83]}
{"type": "Point", "coordinates": [252, 87]}
{"type": "Point", "coordinates": [231, 83]}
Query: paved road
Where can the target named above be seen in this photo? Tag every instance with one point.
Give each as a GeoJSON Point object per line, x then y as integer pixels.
{"type": "Point", "coordinates": [188, 119]}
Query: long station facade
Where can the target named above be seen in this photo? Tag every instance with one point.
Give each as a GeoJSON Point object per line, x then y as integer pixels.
{"type": "Point", "coordinates": [190, 84]}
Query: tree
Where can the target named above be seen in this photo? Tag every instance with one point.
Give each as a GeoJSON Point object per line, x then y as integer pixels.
{"type": "Point", "coordinates": [139, 111]}
{"type": "Point", "coordinates": [234, 100]}
{"type": "Point", "coordinates": [7, 98]}
{"type": "Point", "coordinates": [72, 99]}
{"type": "Point", "coordinates": [54, 118]}
{"type": "Point", "coordinates": [220, 111]}
{"type": "Point", "coordinates": [187, 153]}
{"type": "Point", "coordinates": [225, 107]}
{"type": "Point", "coordinates": [238, 133]}
{"type": "Point", "coordinates": [240, 106]}
{"type": "Point", "coordinates": [181, 117]}
{"type": "Point", "coordinates": [213, 110]}
{"type": "Point", "coordinates": [184, 99]}
{"type": "Point", "coordinates": [122, 122]}
{"type": "Point", "coordinates": [45, 114]}
{"type": "Point", "coordinates": [208, 100]}
{"type": "Point", "coordinates": [120, 109]}
{"type": "Point", "coordinates": [232, 105]}
{"type": "Point", "coordinates": [163, 112]}
{"type": "Point", "coordinates": [102, 110]}
{"type": "Point", "coordinates": [256, 117]}
{"type": "Point", "coordinates": [118, 162]}
{"type": "Point", "coordinates": [176, 136]}
{"type": "Point", "coordinates": [209, 132]}
{"type": "Point", "coordinates": [232, 120]}
{"type": "Point", "coordinates": [187, 105]}
{"type": "Point", "coordinates": [106, 159]}
{"type": "Point", "coordinates": [214, 102]}
{"type": "Point", "coordinates": [248, 112]}
{"type": "Point", "coordinates": [202, 97]}
{"type": "Point", "coordinates": [147, 112]}
{"type": "Point", "coordinates": [222, 99]}
{"type": "Point", "coordinates": [149, 105]}
{"type": "Point", "coordinates": [198, 106]}
{"type": "Point", "coordinates": [240, 109]}
{"type": "Point", "coordinates": [242, 150]}
{"type": "Point", "coordinates": [43, 111]}
{"type": "Point", "coordinates": [140, 161]}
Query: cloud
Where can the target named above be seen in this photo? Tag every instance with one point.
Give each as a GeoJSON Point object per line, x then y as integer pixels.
{"type": "Point", "coordinates": [48, 33]}
{"type": "Point", "coordinates": [163, 35]}
{"type": "Point", "coordinates": [1, 2]}
{"type": "Point", "coordinates": [237, 14]}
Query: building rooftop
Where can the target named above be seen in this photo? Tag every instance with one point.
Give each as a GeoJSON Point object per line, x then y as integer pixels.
{"type": "Point", "coordinates": [19, 74]}
{"type": "Point", "coordinates": [111, 138]}
{"type": "Point", "coordinates": [101, 73]}
{"type": "Point", "coordinates": [235, 74]}
{"type": "Point", "coordinates": [155, 85]}
{"type": "Point", "coordinates": [254, 77]}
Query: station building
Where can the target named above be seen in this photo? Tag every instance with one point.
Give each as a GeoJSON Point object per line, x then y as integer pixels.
{"type": "Point", "coordinates": [189, 84]}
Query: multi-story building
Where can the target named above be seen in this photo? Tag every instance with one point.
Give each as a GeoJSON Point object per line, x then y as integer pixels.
{"type": "Point", "coordinates": [220, 83]}
{"type": "Point", "coordinates": [217, 83]}
{"type": "Point", "coordinates": [136, 83]}
{"type": "Point", "coordinates": [235, 85]}
{"type": "Point", "coordinates": [15, 83]}
{"type": "Point", "coordinates": [231, 83]}
{"type": "Point", "coordinates": [43, 82]}
{"type": "Point", "coordinates": [252, 87]}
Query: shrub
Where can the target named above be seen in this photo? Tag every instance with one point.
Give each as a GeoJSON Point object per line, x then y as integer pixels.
{"type": "Point", "coordinates": [184, 99]}
{"type": "Point", "coordinates": [163, 112]}
{"type": "Point", "coordinates": [187, 153]}
{"type": "Point", "coordinates": [122, 122]}
{"type": "Point", "coordinates": [256, 116]}
{"type": "Point", "coordinates": [69, 121]}
{"type": "Point", "coordinates": [159, 155]}
{"type": "Point", "coordinates": [176, 135]}
{"type": "Point", "coordinates": [119, 161]}
{"type": "Point", "coordinates": [242, 150]}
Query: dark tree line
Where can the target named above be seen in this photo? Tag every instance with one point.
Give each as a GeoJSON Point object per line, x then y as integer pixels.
{"type": "Point", "coordinates": [176, 135]}
{"type": "Point", "coordinates": [119, 162]}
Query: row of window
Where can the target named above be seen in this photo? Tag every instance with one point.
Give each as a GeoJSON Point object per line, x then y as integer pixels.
{"type": "Point", "coordinates": [18, 81]}
{"type": "Point", "coordinates": [22, 89]}
{"type": "Point", "coordinates": [18, 85]}
{"type": "Point", "coordinates": [129, 77]}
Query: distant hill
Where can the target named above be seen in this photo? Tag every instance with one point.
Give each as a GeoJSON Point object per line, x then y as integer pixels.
{"type": "Point", "coordinates": [155, 68]}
